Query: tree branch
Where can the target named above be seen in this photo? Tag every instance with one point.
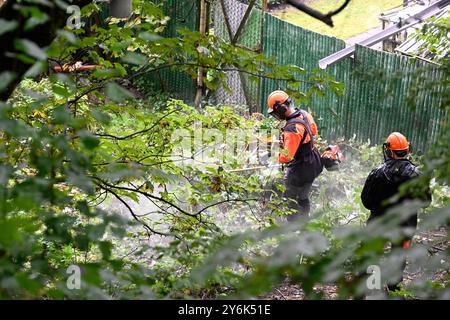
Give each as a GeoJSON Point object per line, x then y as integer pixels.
{"type": "Point", "coordinates": [146, 194]}
{"type": "Point", "coordinates": [103, 184]}
{"type": "Point", "coordinates": [325, 18]}
{"type": "Point", "coordinates": [224, 201]}
{"type": "Point", "coordinates": [134, 134]}
{"type": "Point", "coordinates": [190, 64]}
{"type": "Point", "coordinates": [146, 226]}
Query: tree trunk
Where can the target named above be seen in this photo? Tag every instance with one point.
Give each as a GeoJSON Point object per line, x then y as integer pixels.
{"type": "Point", "coordinates": [202, 29]}
{"type": "Point", "coordinates": [121, 8]}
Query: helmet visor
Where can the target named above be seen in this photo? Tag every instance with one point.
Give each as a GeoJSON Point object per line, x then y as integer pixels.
{"type": "Point", "coordinates": [274, 114]}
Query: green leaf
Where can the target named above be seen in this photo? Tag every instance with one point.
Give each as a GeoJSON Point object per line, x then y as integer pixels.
{"type": "Point", "coordinates": [30, 48]}
{"type": "Point", "coordinates": [117, 93]}
{"type": "Point", "coordinates": [135, 58]}
{"type": "Point", "coordinates": [61, 91]}
{"type": "Point", "coordinates": [70, 36]}
{"type": "Point", "coordinates": [37, 68]}
{"type": "Point", "coordinates": [82, 242]}
{"type": "Point", "coordinates": [36, 20]}
{"type": "Point", "coordinates": [9, 232]}
{"type": "Point", "coordinates": [100, 116]}
{"type": "Point", "coordinates": [106, 249]}
{"type": "Point", "coordinates": [7, 26]}
{"type": "Point", "coordinates": [89, 141]}
{"type": "Point", "coordinates": [148, 36]}
{"type": "Point", "coordinates": [6, 77]}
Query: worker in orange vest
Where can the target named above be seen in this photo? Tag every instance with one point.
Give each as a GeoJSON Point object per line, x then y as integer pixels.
{"type": "Point", "coordinates": [298, 151]}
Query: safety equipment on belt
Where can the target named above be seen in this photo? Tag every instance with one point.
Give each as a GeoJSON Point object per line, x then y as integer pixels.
{"type": "Point", "coordinates": [396, 145]}
{"type": "Point", "coordinates": [332, 157]}
{"type": "Point", "coordinates": [278, 102]}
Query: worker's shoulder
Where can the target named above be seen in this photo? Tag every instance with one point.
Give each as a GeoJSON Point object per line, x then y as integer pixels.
{"type": "Point", "coordinates": [309, 115]}
{"type": "Point", "coordinates": [294, 127]}
{"type": "Point", "coordinates": [294, 123]}
{"type": "Point", "coordinates": [402, 167]}
{"type": "Point", "coordinates": [409, 169]}
{"type": "Point", "coordinates": [377, 171]}
{"type": "Point", "coordinates": [398, 171]}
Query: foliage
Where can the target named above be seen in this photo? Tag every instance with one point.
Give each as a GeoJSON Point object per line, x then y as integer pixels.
{"type": "Point", "coordinates": [93, 175]}
{"type": "Point", "coordinates": [71, 141]}
{"type": "Point", "coordinates": [435, 36]}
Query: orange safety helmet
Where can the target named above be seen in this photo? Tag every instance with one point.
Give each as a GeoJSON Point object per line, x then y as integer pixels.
{"type": "Point", "coordinates": [397, 141]}
{"type": "Point", "coordinates": [397, 144]}
{"type": "Point", "coordinates": [278, 102]}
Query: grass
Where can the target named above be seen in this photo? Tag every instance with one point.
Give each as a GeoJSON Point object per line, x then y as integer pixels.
{"type": "Point", "coordinates": [358, 17]}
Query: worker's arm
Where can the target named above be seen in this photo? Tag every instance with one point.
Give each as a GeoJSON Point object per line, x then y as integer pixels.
{"type": "Point", "coordinates": [291, 141]}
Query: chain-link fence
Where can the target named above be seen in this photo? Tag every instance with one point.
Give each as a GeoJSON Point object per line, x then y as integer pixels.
{"type": "Point", "coordinates": [241, 24]}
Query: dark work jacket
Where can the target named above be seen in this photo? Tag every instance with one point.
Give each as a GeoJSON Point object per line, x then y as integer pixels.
{"type": "Point", "coordinates": [307, 164]}
{"type": "Point", "coordinates": [384, 182]}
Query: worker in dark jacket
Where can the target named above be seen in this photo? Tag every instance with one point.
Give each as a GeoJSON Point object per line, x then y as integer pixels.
{"type": "Point", "coordinates": [384, 182]}
{"type": "Point", "coordinates": [298, 151]}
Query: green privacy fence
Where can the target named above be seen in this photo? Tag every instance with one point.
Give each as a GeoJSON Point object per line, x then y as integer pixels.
{"type": "Point", "coordinates": [384, 92]}
{"type": "Point", "coordinates": [289, 44]}
{"type": "Point", "coordinates": [183, 15]}
{"type": "Point", "coordinates": [378, 97]}
{"type": "Point", "coordinates": [388, 92]}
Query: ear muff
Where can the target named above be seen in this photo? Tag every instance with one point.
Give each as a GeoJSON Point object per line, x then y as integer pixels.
{"type": "Point", "coordinates": [280, 108]}
{"type": "Point", "coordinates": [387, 153]}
